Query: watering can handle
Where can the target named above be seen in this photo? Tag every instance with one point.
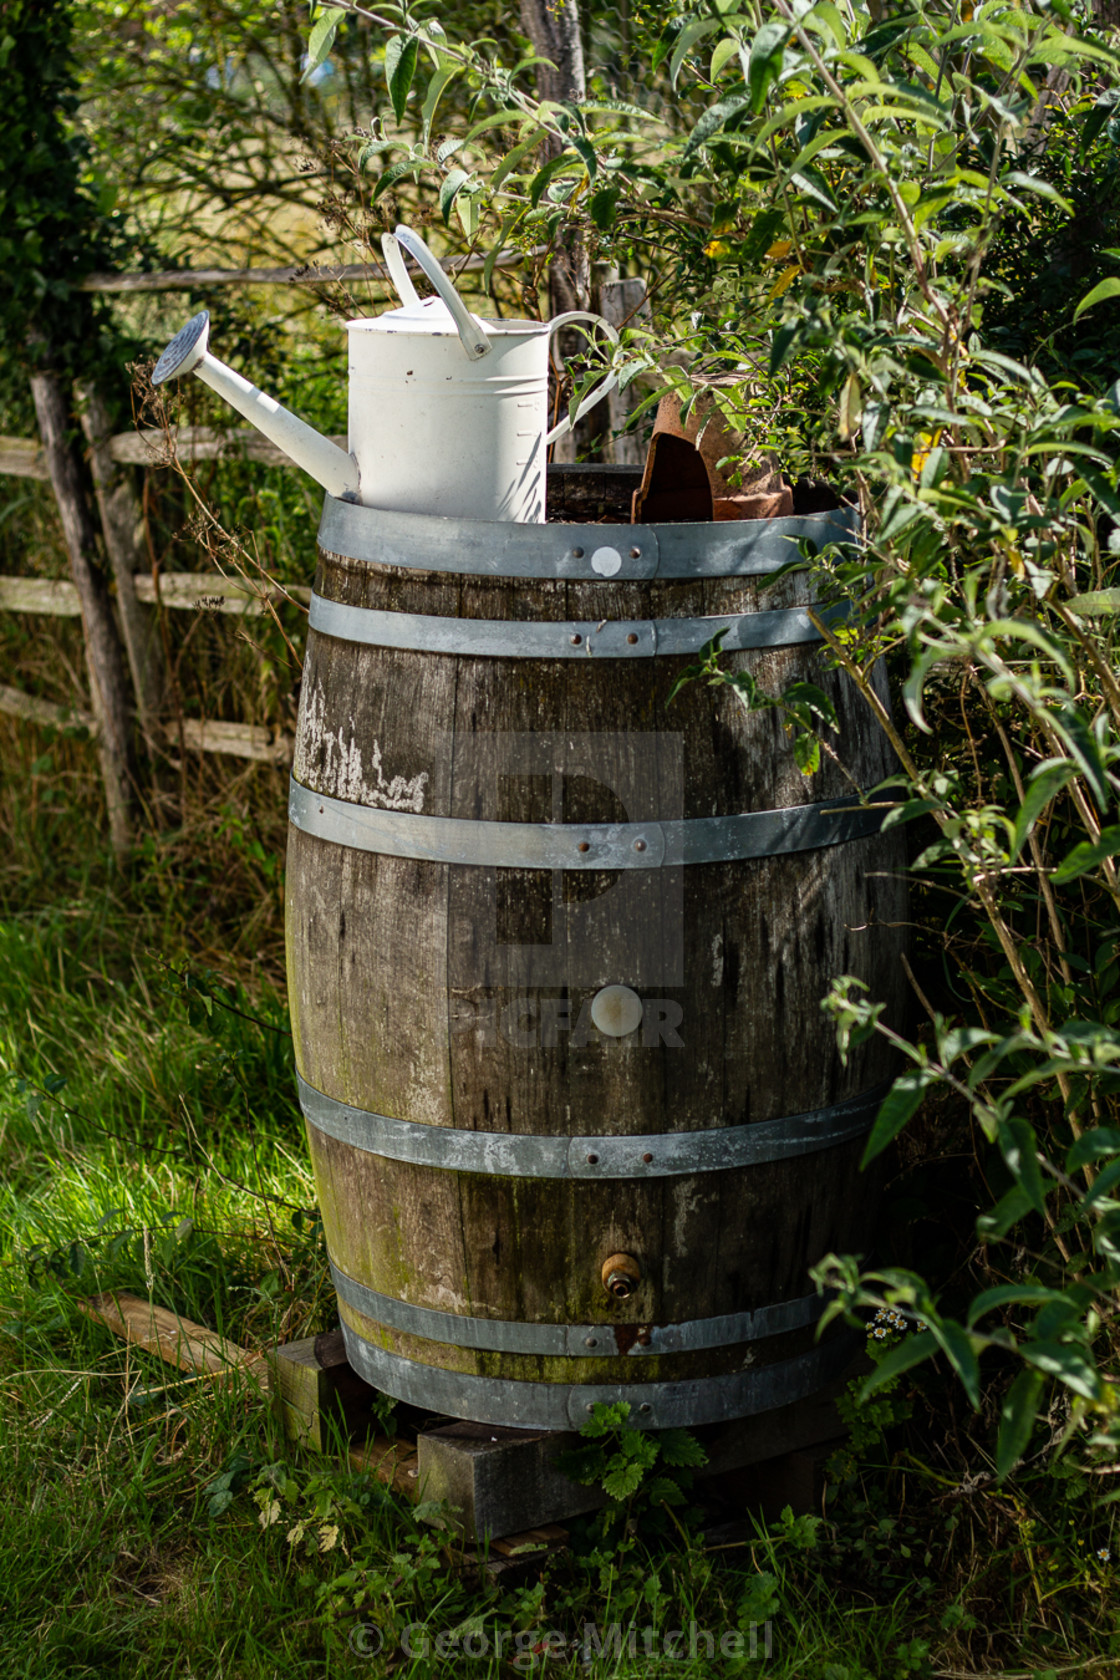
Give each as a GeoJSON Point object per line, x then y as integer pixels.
{"type": "Point", "coordinates": [473, 337]}
{"type": "Point", "coordinates": [600, 391]}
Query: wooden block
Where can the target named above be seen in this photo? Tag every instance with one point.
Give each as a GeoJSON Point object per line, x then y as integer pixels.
{"type": "Point", "coordinates": [320, 1396]}
{"type": "Point", "coordinates": [548, 1538]}
{"type": "Point", "coordinates": [795, 1479]}
{"type": "Point", "coordinates": [392, 1462]}
{"type": "Point", "coordinates": [500, 1481]}
{"type": "Point", "coordinates": [590, 494]}
{"type": "Point", "coordinates": [177, 1340]}
{"type": "Point", "coordinates": [771, 1435]}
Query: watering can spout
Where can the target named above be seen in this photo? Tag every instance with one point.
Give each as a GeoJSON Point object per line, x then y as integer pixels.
{"type": "Point", "coordinates": [329, 465]}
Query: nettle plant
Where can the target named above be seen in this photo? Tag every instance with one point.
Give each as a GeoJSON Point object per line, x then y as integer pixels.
{"type": "Point", "coordinates": [828, 211]}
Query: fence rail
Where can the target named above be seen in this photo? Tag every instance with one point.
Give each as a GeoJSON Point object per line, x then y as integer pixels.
{"type": "Point", "coordinates": [305, 274]}
{"type": "Point", "coordinates": [235, 740]}
{"type": "Point", "coordinates": [58, 598]}
{"type": "Point", "coordinates": [23, 457]}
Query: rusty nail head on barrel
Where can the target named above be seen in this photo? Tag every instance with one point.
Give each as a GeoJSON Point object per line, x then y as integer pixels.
{"type": "Point", "coordinates": [632, 638]}
{"type": "Point", "coordinates": [621, 1275]}
{"type": "Point", "coordinates": [639, 845]}
{"type": "Point", "coordinates": [584, 846]}
{"type": "Point", "coordinates": [635, 554]}
{"type": "Point", "coordinates": [576, 640]}
{"type": "Point", "coordinates": [644, 1338]}
{"type": "Point", "coordinates": [591, 1341]}
{"type": "Point", "coordinates": [577, 553]}
{"type": "Point", "coordinates": [647, 1158]}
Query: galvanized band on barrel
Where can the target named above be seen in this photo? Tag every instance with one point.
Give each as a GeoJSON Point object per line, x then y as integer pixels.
{"type": "Point", "coordinates": [593, 553]}
{"type": "Point", "coordinates": [660, 1405]}
{"type": "Point", "coordinates": [489, 638]}
{"type": "Point", "coordinates": [576, 1341]}
{"type": "Point", "coordinates": [637, 845]}
{"type": "Point", "coordinates": [649, 1155]}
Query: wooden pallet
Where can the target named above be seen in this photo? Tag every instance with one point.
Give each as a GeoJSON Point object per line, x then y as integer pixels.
{"type": "Point", "coordinates": [494, 1480]}
{"type": "Point", "coordinates": [495, 1486]}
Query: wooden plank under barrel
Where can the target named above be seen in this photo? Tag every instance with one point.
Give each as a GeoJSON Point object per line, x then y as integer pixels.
{"type": "Point", "coordinates": [496, 815]}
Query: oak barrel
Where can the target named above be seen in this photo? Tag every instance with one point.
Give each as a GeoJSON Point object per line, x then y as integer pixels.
{"type": "Point", "coordinates": [557, 949]}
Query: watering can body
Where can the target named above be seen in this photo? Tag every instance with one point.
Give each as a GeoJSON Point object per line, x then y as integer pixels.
{"type": "Point", "coordinates": [433, 432]}
{"type": "Point", "coordinates": [447, 414]}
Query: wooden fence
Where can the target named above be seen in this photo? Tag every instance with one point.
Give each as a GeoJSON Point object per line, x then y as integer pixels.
{"type": "Point", "coordinates": [136, 589]}
{"type": "Point", "coordinates": [190, 591]}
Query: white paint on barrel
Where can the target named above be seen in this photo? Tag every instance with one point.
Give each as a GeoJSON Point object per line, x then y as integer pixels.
{"type": "Point", "coordinates": [616, 1011]}
{"type": "Point", "coordinates": [717, 960]}
{"type": "Point", "coordinates": [336, 759]}
{"type": "Point", "coordinates": [606, 561]}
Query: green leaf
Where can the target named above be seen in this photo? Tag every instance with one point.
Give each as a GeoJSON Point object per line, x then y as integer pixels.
{"type": "Point", "coordinates": [783, 344]}
{"type": "Point", "coordinates": [1045, 784]}
{"type": "Point", "coordinates": [450, 185]}
{"type": "Point", "coordinates": [724, 50]}
{"type": "Point", "coordinates": [513, 159]}
{"type": "Point", "coordinates": [623, 1479]}
{"type": "Point", "coordinates": [1103, 1185]}
{"type": "Point", "coordinates": [1086, 855]}
{"type": "Point", "coordinates": [587, 152]}
{"type": "Point", "coordinates": [401, 53]}
{"type": "Point", "coordinates": [1019, 1149]}
{"type": "Point", "coordinates": [1016, 1420]}
{"type": "Point", "coordinates": [321, 39]}
{"type": "Point", "coordinates": [1082, 744]}
{"type": "Point", "coordinates": [812, 185]}
{"type": "Point", "coordinates": [851, 409]}
{"type": "Point", "coordinates": [662, 1490]}
{"type": "Point", "coordinates": [910, 1352]}
{"type": "Point", "coordinates": [1098, 602]}
{"type": "Point", "coordinates": [899, 1105]}
{"type": "Point", "coordinates": [1109, 288]}
{"type": "Point", "coordinates": [714, 119]}
{"type": "Point", "coordinates": [1091, 1146]}
{"type": "Point", "coordinates": [1102, 112]}
{"type": "Point", "coordinates": [1007, 1212]}
{"type": "Point", "coordinates": [692, 32]}
{"type": "Point", "coordinates": [545, 175]}
{"type": "Point", "coordinates": [1069, 1364]}
{"type": "Point", "coordinates": [396, 172]}
{"type": "Point", "coordinates": [956, 1344]}
{"type": "Point", "coordinates": [436, 86]}
{"type": "Point", "coordinates": [909, 810]}
{"type": "Point", "coordinates": [679, 1448]}
{"type": "Point", "coordinates": [602, 205]}
{"type": "Point", "coordinates": [375, 149]}
{"type": "Point", "coordinates": [765, 63]}
{"type": "Point", "coordinates": [807, 753]}
{"type": "Point", "coordinates": [1011, 1295]}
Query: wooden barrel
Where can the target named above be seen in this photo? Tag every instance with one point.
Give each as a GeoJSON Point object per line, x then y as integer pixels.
{"type": "Point", "coordinates": [557, 949]}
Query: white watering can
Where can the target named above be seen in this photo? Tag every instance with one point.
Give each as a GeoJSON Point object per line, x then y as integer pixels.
{"type": "Point", "coordinates": [448, 414]}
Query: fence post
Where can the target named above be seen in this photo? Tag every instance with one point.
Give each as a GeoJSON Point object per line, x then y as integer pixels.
{"type": "Point", "coordinates": [120, 511]}
{"type": "Point", "coordinates": [624, 303]}
{"type": "Point", "coordinates": [109, 689]}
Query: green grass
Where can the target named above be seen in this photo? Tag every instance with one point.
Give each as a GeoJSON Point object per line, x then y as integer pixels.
{"type": "Point", "coordinates": [151, 1141]}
